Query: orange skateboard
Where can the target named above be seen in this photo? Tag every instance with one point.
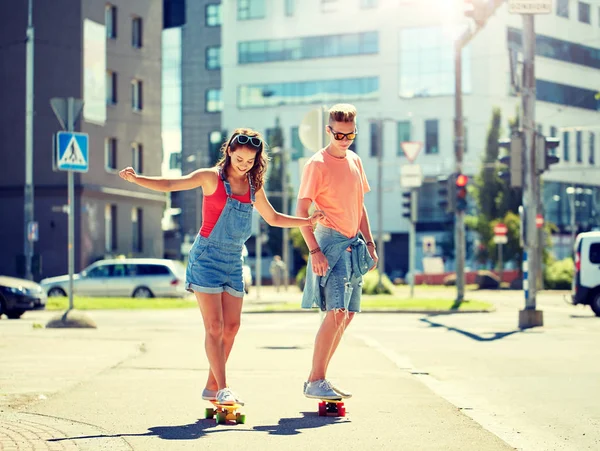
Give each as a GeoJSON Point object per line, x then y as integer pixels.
{"type": "Point", "coordinates": [332, 408]}
{"type": "Point", "coordinates": [225, 412]}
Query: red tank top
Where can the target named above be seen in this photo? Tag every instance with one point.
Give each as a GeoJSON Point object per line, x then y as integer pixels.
{"type": "Point", "coordinates": [213, 205]}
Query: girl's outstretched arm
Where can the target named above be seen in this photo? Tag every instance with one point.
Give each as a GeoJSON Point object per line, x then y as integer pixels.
{"type": "Point", "coordinates": [276, 219]}
{"type": "Point", "coordinates": [196, 179]}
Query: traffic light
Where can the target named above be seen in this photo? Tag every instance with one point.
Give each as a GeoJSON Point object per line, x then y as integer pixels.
{"type": "Point", "coordinates": [545, 152]}
{"type": "Point", "coordinates": [461, 192]}
{"type": "Point", "coordinates": [513, 161]}
{"type": "Point", "coordinates": [480, 10]}
{"type": "Point", "coordinates": [446, 192]}
{"type": "Point", "coordinates": [406, 204]}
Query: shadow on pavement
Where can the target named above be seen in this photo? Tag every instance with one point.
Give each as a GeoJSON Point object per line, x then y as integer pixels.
{"type": "Point", "coordinates": [293, 426]}
{"type": "Point", "coordinates": [190, 431]}
{"type": "Point", "coordinates": [282, 348]}
{"type": "Point", "coordinates": [494, 335]}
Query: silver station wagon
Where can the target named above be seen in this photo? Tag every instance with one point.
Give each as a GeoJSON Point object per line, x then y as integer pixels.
{"type": "Point", "coordinates": [124, 277]}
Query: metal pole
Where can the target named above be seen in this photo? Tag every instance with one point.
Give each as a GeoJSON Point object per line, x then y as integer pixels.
{"type": "Point", "coordinates": [258, 275]}
{"type": "Point", "coordinates": [573, 217]}
{"type": "Point", "coordinates": [284, 210]}
{"type": "Point", "coordinates": [531, 184]}
{"type": "Point", "coordinates": [501, 262]}
{"type": "Point", "coordinates": [71, 203]}
{"type": "Point", "coordinates": [380, 243]}
{"type": "Point", "coordinates": [412, 239]}
{"type": "Point", "coordinates": [459, 145]}
{"type": "Point", "coordinates": [28, 193]}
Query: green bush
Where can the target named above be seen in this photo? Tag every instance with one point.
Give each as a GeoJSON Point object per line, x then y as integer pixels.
{"type": "Point", "coordinates": [559, 274]}
{"type": "Point", "coordinates": [371, 282]}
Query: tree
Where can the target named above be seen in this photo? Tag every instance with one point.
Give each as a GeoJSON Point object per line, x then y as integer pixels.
{"type": "Point", "coordinates": [496, 200]}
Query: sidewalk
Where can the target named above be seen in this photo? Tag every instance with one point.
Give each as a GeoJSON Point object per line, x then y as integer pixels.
{"type": "Point", "coordinates": [135, 383]}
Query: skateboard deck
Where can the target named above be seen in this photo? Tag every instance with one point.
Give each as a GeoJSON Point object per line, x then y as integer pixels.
{"type": "Point", "coordinates": [223, 413]}
{"type": "Point", "coordinates": [332, 408]}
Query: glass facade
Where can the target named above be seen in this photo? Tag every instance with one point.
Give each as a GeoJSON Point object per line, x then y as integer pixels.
{"type": "Point", "coordinates": [548, 91]}
{"type": "Point", "coordinates": [305, 92]}
{"type": "Point", "coordinates": [251, 9]}
{"type": "Point", "coordinates": [265, 51]}
{"type": "Point", "coordinates": [559, 50]}
{"type": "Point", "coordinates": [427, 63]}
{"type": "Point", "coordinates": [214, 102]}
{"type": "Point", "coordinates": [403, 135]}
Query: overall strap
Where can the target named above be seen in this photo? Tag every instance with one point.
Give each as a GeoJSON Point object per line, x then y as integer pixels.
{"type": "Point", "coordinates": [252, 197]}
{"type": "Point", "coordinates": [225, 182]}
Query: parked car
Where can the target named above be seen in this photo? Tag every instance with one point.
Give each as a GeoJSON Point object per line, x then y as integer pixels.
{"type": "Point", "coordinates": [246, 270]}
{"type": "Point", "coordinates": [135, 277]}
{"type": "Point", "coordinates": [586, 280]}
{"type": "Point", "coordinates": [19, 295]}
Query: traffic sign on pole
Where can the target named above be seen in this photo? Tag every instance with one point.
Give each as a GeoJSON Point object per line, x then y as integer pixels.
{"type": "Point", "coordinates": [500, 229]}
{"type": "Point", "coordinates": [530, 6]}
{"type": "Point", "coordinates": [539, 221]}
{"type": "Point", "coordinates": [411, 149]}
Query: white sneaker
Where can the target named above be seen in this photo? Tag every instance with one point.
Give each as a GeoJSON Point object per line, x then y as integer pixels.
{"type": "Point", "coordinates": [321, 390]}
{"type": "Point", "coordinates": [343, 393]}
{"type": "Point", "coordinates": [226, 396]}
{"type": "Point", "coordinates": [209, 395]}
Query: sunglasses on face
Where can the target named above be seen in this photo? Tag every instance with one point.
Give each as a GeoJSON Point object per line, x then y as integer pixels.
{"type": "Point", "coordinates": [338, 136]}
{"type": "Point", "coordinates": [245, 139]}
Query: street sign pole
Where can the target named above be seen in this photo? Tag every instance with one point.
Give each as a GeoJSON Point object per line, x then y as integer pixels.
{"type": "Point", "coordinates": [71, 203]}
{"type": "Point", "coordinates": [412, 238]}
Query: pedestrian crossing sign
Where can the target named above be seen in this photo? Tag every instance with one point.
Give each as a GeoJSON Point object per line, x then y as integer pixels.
{"type": "Point", "coordinates": [72, 151]}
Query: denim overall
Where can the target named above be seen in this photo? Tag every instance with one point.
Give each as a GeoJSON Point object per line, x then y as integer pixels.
{"type": "Point", "coordinates": [215, 262]}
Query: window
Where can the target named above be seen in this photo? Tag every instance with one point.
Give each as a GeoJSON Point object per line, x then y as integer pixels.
{"type": "Point", "coordinates": [213, 57]}
{"type": "Point", "coordinates": [214, 16]}
{"type": "Point", "coordinates": [307, 92]}
{"type": "Point", "coordinates": [374, 132]}
{"type": "Point", "coordinates": [579, 146]}
{"type": "Point", "coordinates": [584, 12]}
{"type": "Point", "coordinates": [565, 144]}
{"type": "Point", "coordinates": [427, 63]}
{"type": "Point", "coordinates": [215, 141]}
{"type": "Point", "coordinates": [214, 103]}
{"type": "Point", "coordinates": [366, 4]}
{"type": "Point", "coordinates": [250, 9]}
{"type": "Point", "coordinates": [297, 145]}
{"type": "Point", "coordinates": [559, 50]}
{"type": "Point", "coordinates": [592, 156]}
{"type": "Point", "coordinates": [110, 21]}
{"type": "Point", "coordinates": [137, 95]}
{"type": "Point", "coordinates": [548, 91]}
{"type": "Point", "coordinates": [111, 88]}
{"type": "Point", "coordinates": [175, 160]}
{"type": "Point", "coordinates": [562, 8]}
{"type": "Point", "coordinates": [137, 157]}
{"type": "Point", "coordinates": [110, 228]}
{"type": "Point", "coordinates": [553, 134]}
{"type": "Point", "coordinates": [153, 270]}
{"type": "Point", "coordinates": [431, 136]}
{"type": "Point", "coordinates": [595, 253]}
{"type": "Point", "coordinates": [265, 51]}
{"type": "Point", "coordinates": [137, 231]}
{"type": "Point", "coordinates": [290, 7]}
{"type": "Point", "coordinates": [403, 135]}
{"type": "Point", "coordinates": [136, 32]}
{"type": "Point", "coordinates": [110, 154]}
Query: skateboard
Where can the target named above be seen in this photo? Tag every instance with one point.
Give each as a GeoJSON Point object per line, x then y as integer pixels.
{"type": "Point", "coordinates": [225, 412]}
{"type": "Point", "coordinates": [332, 408]}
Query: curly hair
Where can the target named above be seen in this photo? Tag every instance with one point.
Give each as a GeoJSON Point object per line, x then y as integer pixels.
{"type": "Point", "coordinates": [259, 169]}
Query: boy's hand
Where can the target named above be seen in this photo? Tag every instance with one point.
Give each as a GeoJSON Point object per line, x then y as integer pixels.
{"type": "Point", "coordinates": [128, 174]}
{"type": "Point", "coordinates": [319, 263]}
{"type": "Point", "coordinates": [373, 253]}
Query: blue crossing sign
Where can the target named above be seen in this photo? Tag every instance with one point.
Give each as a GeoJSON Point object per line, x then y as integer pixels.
{"type": "Point", "coordinates": [72, 151]}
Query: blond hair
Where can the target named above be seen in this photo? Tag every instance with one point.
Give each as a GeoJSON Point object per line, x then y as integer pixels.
{"type": "Point", "coordinates": [342, 112]}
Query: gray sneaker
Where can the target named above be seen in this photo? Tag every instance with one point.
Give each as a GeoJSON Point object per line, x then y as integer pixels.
{"type": "Point", "coordinates": [209, 395]}
{"type": "Point", "coordinates": [321, 390]}
{"type": "Point", "coordinates": [305, 385]}
{"type": "Point", "coordinates": [343, 393]}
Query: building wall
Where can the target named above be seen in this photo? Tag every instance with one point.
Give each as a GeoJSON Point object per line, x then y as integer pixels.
{"type": "Point", "coordinates": [58, 70]}
{"type": "Point", "coordinates": [197, 122]}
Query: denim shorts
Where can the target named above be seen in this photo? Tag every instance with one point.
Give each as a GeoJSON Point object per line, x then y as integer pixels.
{"type": "Point", "coordinates": [338, 286]}
{"type": "Point", "coordinates": [214, 268]}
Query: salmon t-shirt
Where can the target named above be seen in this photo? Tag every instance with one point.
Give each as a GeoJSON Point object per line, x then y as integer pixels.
{"type": "Point", "coordinates": [337, 186]}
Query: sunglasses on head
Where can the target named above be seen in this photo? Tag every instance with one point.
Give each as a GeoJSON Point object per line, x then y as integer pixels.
{"type": "Point", "coordinates": [338, 136]}
{"type": "Point", "coordinates": [245, 139]}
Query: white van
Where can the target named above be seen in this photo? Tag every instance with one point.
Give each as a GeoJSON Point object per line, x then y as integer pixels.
{"type": "Point", "coordinates": [586, 280]}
